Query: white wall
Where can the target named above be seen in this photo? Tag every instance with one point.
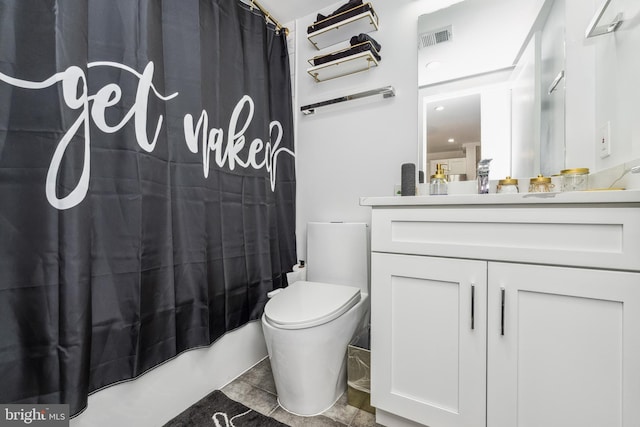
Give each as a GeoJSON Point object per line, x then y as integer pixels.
{"type": "Point", "coordinates": [165, 391]}
{"type": "Point", "coordinates": [580, 79]}
{"type": "Point", "coordinates": [357, 149]}
{"type": "Point", "coordinates": [602, 84]}
{"type": "Point", "coordinates": [617, 65]}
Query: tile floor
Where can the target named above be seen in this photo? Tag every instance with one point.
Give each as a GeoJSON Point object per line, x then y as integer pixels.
{"type": "Point", "coordinates": [256, 389]}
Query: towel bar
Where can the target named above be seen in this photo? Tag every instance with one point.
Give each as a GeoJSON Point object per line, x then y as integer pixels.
{"type": "Point", "coordinates": [595, 30]}
{"type": "Point", "coordinates": [386, 92]}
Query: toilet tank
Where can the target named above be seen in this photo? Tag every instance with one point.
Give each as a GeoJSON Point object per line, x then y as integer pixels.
{"type": "Point", "coordinates": [338, 252]}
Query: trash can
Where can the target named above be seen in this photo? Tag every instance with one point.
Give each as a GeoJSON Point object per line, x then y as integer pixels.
{"type": "Point", "coordinates": [359, 372]}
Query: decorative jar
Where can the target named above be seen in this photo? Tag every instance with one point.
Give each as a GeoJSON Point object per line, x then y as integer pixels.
{"type": "Point", "coordinates": [575, 179]}
{"type": "Point", "coordinates": [507, 186]}
{"type": "Point", "coordinates": [540, 184]}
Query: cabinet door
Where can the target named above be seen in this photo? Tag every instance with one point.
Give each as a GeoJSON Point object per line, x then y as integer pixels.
{"type": "Point", "coordinates": [428, 326]}
{"type": "Point", "coordinates": [564, 348]}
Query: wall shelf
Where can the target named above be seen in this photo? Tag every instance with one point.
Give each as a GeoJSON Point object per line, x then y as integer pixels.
{"type": "Point", "coordinates": [356, 63]}
{"type": "Point", "coordinates": [364, 22]}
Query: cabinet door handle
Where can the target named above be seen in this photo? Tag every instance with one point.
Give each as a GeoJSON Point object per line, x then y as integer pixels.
{"type": "Point", "coordinates": [502, 297]}
{"type": "Point", "coordinates": [473, 306]}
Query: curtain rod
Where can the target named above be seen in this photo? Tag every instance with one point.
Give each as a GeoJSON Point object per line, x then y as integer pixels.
{"type": "Point", "coordinates": [270, 17]}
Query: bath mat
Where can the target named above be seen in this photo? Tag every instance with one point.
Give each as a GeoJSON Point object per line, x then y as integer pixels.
{"type": "Point", "coordinates": [217, 410]}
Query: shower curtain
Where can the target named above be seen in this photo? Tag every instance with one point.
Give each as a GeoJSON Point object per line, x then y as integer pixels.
{"type": "Point", "coordinates": [147, 186]}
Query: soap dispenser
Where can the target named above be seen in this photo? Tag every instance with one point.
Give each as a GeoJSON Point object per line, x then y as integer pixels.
{"type": "Point", "coordinates": [438, 185]}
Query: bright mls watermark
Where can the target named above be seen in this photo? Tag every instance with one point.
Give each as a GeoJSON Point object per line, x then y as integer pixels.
{"type": "Point", "coordinates": [34, 415]}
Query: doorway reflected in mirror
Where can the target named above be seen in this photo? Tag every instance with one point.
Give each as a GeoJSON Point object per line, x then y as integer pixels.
{"type": "Point", "coordinates": [453, 136]}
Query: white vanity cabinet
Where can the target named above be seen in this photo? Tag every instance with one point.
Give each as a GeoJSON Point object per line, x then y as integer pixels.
{"type": "Point", "coordinates": [552, 337]}
{"type": "Point", "coordinates": [566, 351]}
{"type": "Point", "coordinates": [429, 338]}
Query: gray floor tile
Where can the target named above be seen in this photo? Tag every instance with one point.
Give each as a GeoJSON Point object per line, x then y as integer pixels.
{"type": "Point", "coordinates": [256, 389]}
{"type": "Point", "coordinates": [260, 376]}
{"type": "Point", "coordinates": [251, 396]}
{"type": "Point", "coordinates": [296, 421]}
{"type": "Point", "coordinates": [364, 419]}
{"type": "Point", "coordinates": [341, 411]}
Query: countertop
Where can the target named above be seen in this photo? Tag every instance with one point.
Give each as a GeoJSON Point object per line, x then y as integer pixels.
{"type": "Point", "coordinates": [573, 197]}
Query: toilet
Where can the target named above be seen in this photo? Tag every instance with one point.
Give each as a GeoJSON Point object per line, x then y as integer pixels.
{"type": "Point", "coordinates": [308, 325]}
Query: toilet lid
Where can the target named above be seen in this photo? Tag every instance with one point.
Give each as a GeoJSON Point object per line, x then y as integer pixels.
{"type": "Point", "coordinates": [306, 304]}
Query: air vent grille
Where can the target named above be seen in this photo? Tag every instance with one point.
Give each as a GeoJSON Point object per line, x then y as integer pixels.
{"type": "Point", "coordinates": [434, 37]}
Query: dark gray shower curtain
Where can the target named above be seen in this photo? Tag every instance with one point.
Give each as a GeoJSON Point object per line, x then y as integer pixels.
{"type": "Point", "coordinates": [147, 186]}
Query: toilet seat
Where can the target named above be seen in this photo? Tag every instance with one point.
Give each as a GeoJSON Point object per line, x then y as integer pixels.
{"type": "Point", "coordinates": [307, 304]}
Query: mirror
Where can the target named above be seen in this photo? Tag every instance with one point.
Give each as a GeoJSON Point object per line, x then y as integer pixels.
{"type": "Point", "coordinates": [488, 65]}
{"type": "Point", "coordinates": [453, 135]}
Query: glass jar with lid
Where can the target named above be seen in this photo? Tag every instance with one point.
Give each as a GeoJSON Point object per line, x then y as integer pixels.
{"type": "Point", "coordinates": [540, 184]}
{"type": "Point", "coordinates": [576, 179]}
{"type": "Point", "coordinates": [507, 186]}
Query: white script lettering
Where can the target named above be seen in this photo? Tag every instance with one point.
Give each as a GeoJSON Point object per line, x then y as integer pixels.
{"type": "Point", "coordinates": [229, 153]}
{"type": "Point", "coordinates": [75, 96]}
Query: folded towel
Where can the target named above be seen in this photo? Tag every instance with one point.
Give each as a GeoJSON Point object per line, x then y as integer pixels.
{"type": "Point", "coordinates": [353, 8]}
{"type": "Point", "coordinates": [349, 5]}
{"type": "Point", "coordinates": [361, 47]}
{"type": "Point", "coordinates": [361, 38]}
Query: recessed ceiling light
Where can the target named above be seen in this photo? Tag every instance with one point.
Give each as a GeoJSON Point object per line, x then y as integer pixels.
{"type": "Point", "coordinates": [439, 108]}
{"type": "Point", "coordinates": [451, 140]}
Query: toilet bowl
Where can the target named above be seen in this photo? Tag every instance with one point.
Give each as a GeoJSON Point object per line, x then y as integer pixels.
{"type": "Point", "coordinates": [308, 325]}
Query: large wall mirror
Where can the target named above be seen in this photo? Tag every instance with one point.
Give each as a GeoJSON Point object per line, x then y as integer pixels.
{"type": "Point", "coordinates": [491, 85]}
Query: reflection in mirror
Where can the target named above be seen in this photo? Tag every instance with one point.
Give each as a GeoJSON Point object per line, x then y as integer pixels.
{"type": "Point", "coordinates": [453, 136]}
{"type": "Point", "coordinates": [477, 119]}
{"type": "Point", "coordinates": [472, 37]}
{"type": "Point", "coordinates": [552, 105]}
{"type": "Point", "coordinates": [503, 55]}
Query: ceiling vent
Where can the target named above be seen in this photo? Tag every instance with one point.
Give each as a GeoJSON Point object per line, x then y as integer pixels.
{"type": "Point", "coordinates": [434, 37]}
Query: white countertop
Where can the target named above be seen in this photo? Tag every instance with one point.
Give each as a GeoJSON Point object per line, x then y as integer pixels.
{"type": "Point", "coordinates": [574, 197]}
